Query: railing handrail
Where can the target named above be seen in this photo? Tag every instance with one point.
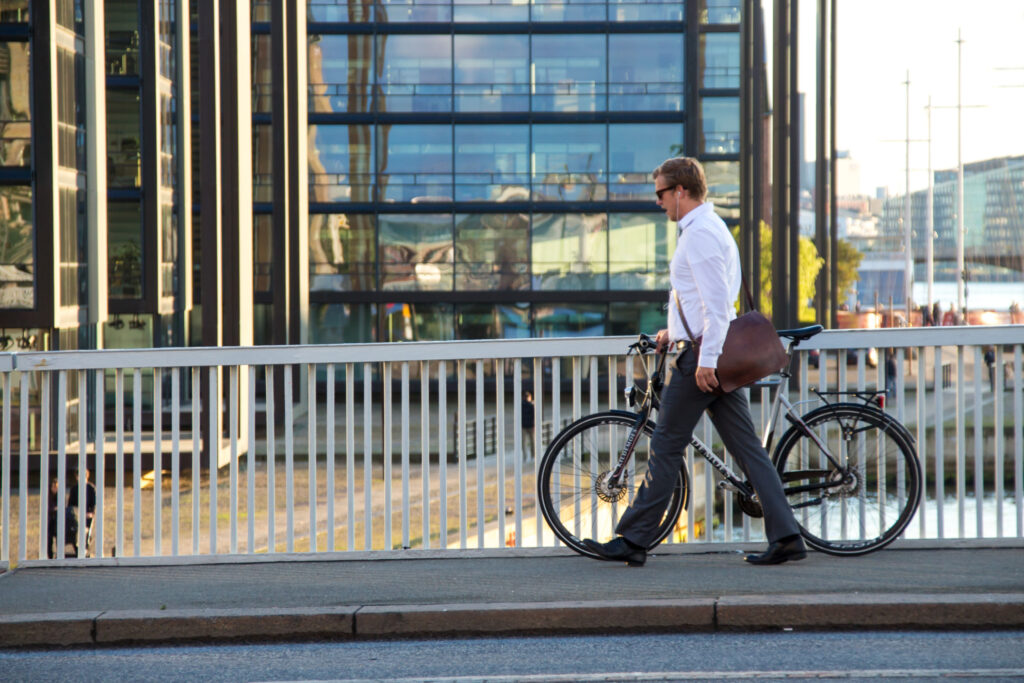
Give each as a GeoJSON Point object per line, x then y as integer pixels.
{"type": "Point", "coordinates": [205, 356]}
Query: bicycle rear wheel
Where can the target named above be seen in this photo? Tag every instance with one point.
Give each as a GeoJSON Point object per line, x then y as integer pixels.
{"type": "Point", "coordinates": [867, 501]}
{"type": "Point", "coordinates": [575, 497]}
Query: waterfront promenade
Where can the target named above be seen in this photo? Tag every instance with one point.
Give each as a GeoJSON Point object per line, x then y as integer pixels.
{"type": "Point", "coordinates": [433, 593]}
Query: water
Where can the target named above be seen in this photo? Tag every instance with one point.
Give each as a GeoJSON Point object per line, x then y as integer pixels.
{"type": "Point", "coordinates": [989, 296]}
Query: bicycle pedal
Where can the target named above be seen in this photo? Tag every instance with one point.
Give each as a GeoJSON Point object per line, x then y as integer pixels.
{"type": "Point", "coordinates": [728, 486]}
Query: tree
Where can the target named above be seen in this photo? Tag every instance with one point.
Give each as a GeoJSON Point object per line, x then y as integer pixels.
{"type": "Point", "coordinates": [848, 259]}
{"type": "Point", "coordinates": [810, 264]}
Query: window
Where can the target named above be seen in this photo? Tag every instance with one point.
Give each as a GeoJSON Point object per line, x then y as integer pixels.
{"type": "Point", "coordinates": [340, 73]}
{"type": "Point", "coordinates": [640, 247]}
{"type": "Point", "coordinates": [492, 73]}
{"type": "Point", "coordinates": [123, 134]}
{"type": "Point", "coordinates": [342, 253]}
{"type": "Point", "coordinates": [721, 125]}
{"type": "Point", "coordinates": [720, 66]}
{"type": "Point", "coordinates": [17, 242]}
{"type": "Point", "coordinates": [416, 73]}
{"type": "Point", "coordinates": [124, 242]}
{"type": "Point", "coordinates": [570, 251]}
{"type": "Point", "coordinates": [15, 105]}
{"type": "Point", "coordinates": [492, 252]}
{"type": "Point", "coordinates": [491, 162]}
{"type": "Point", "coordinates": [645, 72]}
{"type": "Point", "coordinates": [415, 163]}
{"type": "Point", "coordinates": [636, 149]}
{"type": "Point", "coordinates": [568, 73]}
{"type": "Point", "coordinates": [568, 162]}
{"type": "Point", "coordinates": [341, 166]}
{"type": "Point", "coordinates": [416, 252]}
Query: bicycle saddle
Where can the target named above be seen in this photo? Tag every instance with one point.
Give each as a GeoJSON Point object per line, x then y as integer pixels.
{"type": "Point", "coordinates": [801, 333]}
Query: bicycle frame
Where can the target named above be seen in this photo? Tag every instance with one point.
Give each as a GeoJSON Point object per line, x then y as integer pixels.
{"type": "Point", "coordinates": [649, 401]}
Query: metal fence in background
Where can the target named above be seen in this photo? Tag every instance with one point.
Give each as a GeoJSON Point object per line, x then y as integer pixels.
{"type": "Point", "coordinates": [420, 445]}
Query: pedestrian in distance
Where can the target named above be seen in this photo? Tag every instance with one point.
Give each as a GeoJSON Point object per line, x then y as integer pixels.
{"type": "Point", "coordinates": [705, 277]}
{"type": "Point", "coordinates": [90, 512]}
{"type": "Point", "coordinates": [528, 418]}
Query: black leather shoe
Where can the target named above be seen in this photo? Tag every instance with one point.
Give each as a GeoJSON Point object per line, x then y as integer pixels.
{"type": "Point", "coordinates": [618, 550]}
{"type": "Point", "coordinates": [787, 549]}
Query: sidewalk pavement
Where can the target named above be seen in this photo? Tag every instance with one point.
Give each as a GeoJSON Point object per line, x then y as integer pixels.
{"type": "Point", "coordinates": [446, 593]}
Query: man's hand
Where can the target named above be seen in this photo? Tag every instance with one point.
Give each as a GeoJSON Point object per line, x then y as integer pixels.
{"type": "Point", "coordinates": [662, 340]}
{"type": "Point", "coordinates": [706, 379]}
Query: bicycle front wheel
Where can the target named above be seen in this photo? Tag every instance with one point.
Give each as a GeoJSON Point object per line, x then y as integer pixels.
{"type": "Point", "coordinates": [576, 496]}
{"type": "Point", "coordinates": [861, 498]}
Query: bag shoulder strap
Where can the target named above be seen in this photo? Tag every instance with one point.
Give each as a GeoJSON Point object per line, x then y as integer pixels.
{"type": "Point", "coordinates": [679, 307]}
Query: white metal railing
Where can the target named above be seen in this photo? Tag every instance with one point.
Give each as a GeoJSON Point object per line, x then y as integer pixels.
{"type": "Point", "coordinates": [366, 413]}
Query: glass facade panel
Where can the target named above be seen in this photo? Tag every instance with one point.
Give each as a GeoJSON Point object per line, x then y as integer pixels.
{"type": "Point", "coordinates": [341, 323]}
{"type": "Point", "coordinates": [124, 242]}
{"type": "Point", "coordinates": [492, 73]}
{"type": "Point", "coordinates": [640, 247]}
{"type": "Point", "coordinates": [416, 252]}
{"type": "Point", "coordinates": [720, 66]}
{"type": "Point", "coordinates": [720, 120]}
{"type": "Point", "coordinates": [17, 239]}
{"type": "Point", "coordinates": [570, 251]}
{"type": "Point", "coordinates": [262, 251]}
{"type": "Point", "coordinates": [121, 20]}
{"type": "Point", "coordinates": [414, 163]}
{"type": "Point", "coordinates": [263, 163]}
{"type": "Point", "coordinates": [724, 187]}
{"type": "Point", "coordinates": [415, 73]}
{"type": "Point", "coordinates": [416, 322]}
{"type": "Point", "coordinates": [70, 117]}
{"type": "Point", "coordinates": [72, 250]}
{"type": "Point", "coordinates": [636, 149]}
{"type": "Point", "coordinates": [262, 73]}
{"type": "Point", "coordinates": [342, 253]}
{"type": "Point", "coordinates": [490, 11]}
{"type": "Point", "coordinates": [168, 142]}
{"type": "Point", "coordinates": [635, 317]}
{"type": "Point", "coordinates": [492, 163]}
{"type": "Point", "coordinates": [405, 11]}
{"type": "Point", "coordinates": [492, 251]}
{"type": "Point", "coordinates": [166, 26]}
{"type": "Point", "coordinates": [568, 10]}
{"type": "Point", "coordinates": [568, 73]}
{"type": "Point", "coordinates": [645, 72]}
{"type": "Point", "coordinates": [645, 10]}
{"type": "Point", "coordinates": [340, 73]}
{"type": "Point", "coordinates": [570, 320]}
{"type": "Point", "coordinates": [720, 11]}
{"type": "Point", "coordinates": [341, 166]}
{"type": "Point", "coordinates": [568, 162]}
{"type": "Point", "coordinates": [354, 11]}
{"type": "Point", "coordinates": [123, 135]}
{"type": "Point", "coordinates": [168, 250]}
{"type": "Point", "coordinates": [488, 321]}
{"type": "Point", "coordinates": [15, 105]}
{"type": "Point", "coordinates": [14, 11]}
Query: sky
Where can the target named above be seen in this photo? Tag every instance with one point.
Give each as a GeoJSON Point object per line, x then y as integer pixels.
{"type": "Point", "coordinates": [879, 41]}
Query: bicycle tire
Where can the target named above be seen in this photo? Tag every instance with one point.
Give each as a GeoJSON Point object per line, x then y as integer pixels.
{"type": "Point", "coordinates": [569, 480]}
{"type": "Point", "coordinates": [870, 505]}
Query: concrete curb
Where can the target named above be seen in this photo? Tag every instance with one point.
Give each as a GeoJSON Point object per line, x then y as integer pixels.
{"type": "Point", "coordinates": [751, 613]}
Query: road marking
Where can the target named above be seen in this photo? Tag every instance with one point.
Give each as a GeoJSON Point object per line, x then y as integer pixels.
{"type": "Point", "coordinates": [701, 675]}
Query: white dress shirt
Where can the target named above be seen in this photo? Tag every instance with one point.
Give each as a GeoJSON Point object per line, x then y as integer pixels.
{"type": "Point", "coordinates": [705, 272]}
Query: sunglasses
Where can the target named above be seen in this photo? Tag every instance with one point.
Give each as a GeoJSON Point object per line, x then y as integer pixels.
{"type": "Point", "coordinates": [662, 190]}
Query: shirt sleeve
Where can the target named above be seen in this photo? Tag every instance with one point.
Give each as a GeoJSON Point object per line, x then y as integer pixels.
{"type": "Point", "coordinates": [711, 277]}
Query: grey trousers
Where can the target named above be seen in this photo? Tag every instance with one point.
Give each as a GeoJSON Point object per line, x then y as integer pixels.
{"type": "Point", "coordinates": [682, 404]}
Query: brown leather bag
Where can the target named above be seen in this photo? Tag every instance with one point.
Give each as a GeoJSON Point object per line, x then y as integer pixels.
{"type": "Point", "coordinates": [752, 348]}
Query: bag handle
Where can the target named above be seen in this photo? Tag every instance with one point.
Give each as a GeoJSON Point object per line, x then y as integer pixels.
{"type": "Point", "coordinates": [679, 306]}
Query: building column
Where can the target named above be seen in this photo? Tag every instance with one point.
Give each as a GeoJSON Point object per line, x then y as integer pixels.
{"type": "Point", "coordinates": [781, 164]}
{"type": "Point", "coordinates": [96, 160]}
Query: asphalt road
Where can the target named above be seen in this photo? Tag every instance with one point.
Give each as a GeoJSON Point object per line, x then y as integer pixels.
{"type": "Point", "coordinates": [867, 655]}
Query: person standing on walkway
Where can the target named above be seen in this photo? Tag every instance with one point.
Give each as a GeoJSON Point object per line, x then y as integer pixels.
{"type": "Point", "coordinates": [529, 421]}
{"type": "Point", "coordinates": [86, 516]}
{"type": "Point", "coordinates": [706, 278]}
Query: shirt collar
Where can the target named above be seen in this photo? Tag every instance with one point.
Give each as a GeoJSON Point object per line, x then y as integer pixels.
{"type": "Point", "coordinates": [689, 219]}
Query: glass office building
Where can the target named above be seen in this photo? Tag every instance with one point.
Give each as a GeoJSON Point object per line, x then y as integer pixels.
{"type": "Point", "coordinates": [408, 170]}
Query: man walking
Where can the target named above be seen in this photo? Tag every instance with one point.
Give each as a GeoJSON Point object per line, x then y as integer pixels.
{"type": "Point", "coordinates": [705, 276]}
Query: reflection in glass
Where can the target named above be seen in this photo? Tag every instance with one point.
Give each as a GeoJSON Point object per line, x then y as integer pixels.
{"type": "Point", "coordinates": [570, 320]}
{"type": "Point", "coordinates": [415, 163]}
{"type": "Point", "coordinates": [14, 11]}
{"type": "Point", "coordinates": [401, 11]}
{"type": "Point", "coordinates": [634, 317]}
{"type": "Point", "coordinates": [720, 119]}
{"type": "Point", "coordinates": [168, 141]}
{"type": "Point", "coordinates": [416, 73]}
{"type": "Point", "coordinates": [262, 163]}
{"type": "Point", "coordinates": [341, 163]}
{"type": "Point", "coordinates": [724, 187]}
{"type": "Point", "coordinates": [418, 322]}
{"type": "Point", "coordinates": [569, 162]}
{"type": "Point", "coordinates": [355, 11]}
{"type": "Point", "coordinates": [124, 244]}
{"type": "Point", "coordinates": [17, 268]}
{"type": "Point", "coordinates": [488, 11]}
{"type": "Point", "coordinates": [645, 10]}
{"type": "Point", "coordinates": [262, 251]}
{"type": "Point", "coordinates": [570, 251]}
{"type": "Point", "coordinates": [262, 72]}
{"type": "Point", "coordinates": [123, 134]}
{"type": "Point", "coordinates": [568, 73]}
{"type": "Point", "coordinates": [492, 251]}
{"type": "Point", "coordinates": [342, 253]}
{"type": "Point", "coordinates": [342, 323]}
{"type": "Point", "coordinates": [70, 116]}
{"type": "Point", "coordinates": [168, 251]}
{"type": "Point", "coordinates": [568, 10]}
{"type": "Point", "coordinates": [416, 252]}
{"type": "Point", "coordinates": [491, 162]}
{"type": "Point", "coordinates": [341, 73]}
{"type": "Point", "coordinates": [492, 73]}
{"type": "Point", "coordinates": [640, 246]}
{"type": "Point", "coordinates": [645, 72]}
{"type": "Point", "coordinates": [73, 249]}
{"type": "Point", "coordinates": [720, 11]}
{"type": "Point", "coordinates": [490, 321]}
{"type": "Point", "coordinates": [720, 64]}
{"type": "Point", "coordinates": [15, 105]}
{"type": "Point", "coordinates": [636, 149]}
{"type": "Point", "coordinates": [121, 21]}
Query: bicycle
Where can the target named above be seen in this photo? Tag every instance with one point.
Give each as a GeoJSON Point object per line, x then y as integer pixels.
{"type": "Point", "coordinates": [849, 470]}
